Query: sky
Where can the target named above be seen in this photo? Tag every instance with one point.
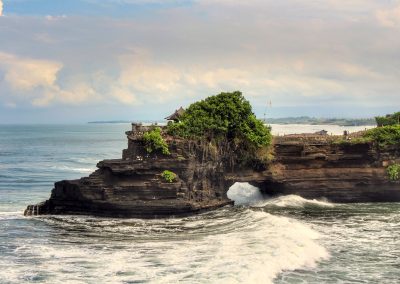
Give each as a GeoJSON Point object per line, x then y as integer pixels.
{"type": "Point", "coordinates": [83, 60]}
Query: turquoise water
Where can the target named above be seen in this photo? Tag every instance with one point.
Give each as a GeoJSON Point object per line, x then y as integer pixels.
{"type": "Point", "coordinates": [282, 240]}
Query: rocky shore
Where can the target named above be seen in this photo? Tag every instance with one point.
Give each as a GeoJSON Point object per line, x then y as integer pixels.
{"type": "Point", "coordinates": [309, 166]}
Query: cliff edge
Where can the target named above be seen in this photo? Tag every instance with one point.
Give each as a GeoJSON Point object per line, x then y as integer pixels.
{"type": "Point", "coordinates": [309, 166]}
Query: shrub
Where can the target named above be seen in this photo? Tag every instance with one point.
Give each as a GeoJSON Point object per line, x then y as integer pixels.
{"type": "Point", "coordinates": [153, 141]}
{"type": "Point", "coordinates": [393, 172]}
{"type": "Point", "coordinates": [168, 176]}
{"type": "Point", "coordinates": [385, 135]}
{"type": "Point", "coordinates": [389, 119]}
{"type": "Point", "coordinates": [227, 115]}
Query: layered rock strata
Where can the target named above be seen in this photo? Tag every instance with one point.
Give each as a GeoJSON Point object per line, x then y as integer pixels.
{"type": "Point", "coordinates": [316, 168]}
{"type": "Point", "coordinates": [312, 167]}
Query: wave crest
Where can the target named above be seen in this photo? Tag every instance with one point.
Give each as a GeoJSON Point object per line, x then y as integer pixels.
{"type": "Point", "coordinates": [294, 201]}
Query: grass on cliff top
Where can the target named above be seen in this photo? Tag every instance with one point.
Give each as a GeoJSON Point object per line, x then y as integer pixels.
{"type": "Point", "coordinates": [382, 136]}
{"type": "Point", "coordinates": [225, 116]}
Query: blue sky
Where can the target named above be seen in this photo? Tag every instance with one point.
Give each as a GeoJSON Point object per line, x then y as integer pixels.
{"type": "Point", "coordinates": [81, 60]}
{"type": "Point", "coordinates": [105, 8]}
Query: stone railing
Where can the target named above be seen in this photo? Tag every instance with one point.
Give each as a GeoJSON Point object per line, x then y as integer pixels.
{"type": "Point", "coordinates": [138, 129]}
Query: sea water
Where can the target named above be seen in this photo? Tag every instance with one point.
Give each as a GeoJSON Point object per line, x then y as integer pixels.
{"type": "Point", "coordinates": [280, 240]}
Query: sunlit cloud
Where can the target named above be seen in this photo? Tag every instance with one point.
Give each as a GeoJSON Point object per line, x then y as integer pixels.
{"type": "Point", "coordinates": [25, 74]}
{"type": "Point", "coordinates": [389, 17]}
{"type": "Point", "coordinates": [35, 81]}
{"type": "Point", "coordinates": [296, 53]}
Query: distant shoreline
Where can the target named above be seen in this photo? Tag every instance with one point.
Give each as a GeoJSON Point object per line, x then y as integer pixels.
{"type": "Point", "coordinates": [322, 121]}
{"type": "Point", "coordinates": [284, 120]}
{"type": "Point", "coordinates": [109, 122]}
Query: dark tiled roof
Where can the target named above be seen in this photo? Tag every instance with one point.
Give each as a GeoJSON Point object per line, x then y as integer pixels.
{"type": "Point", "coordinates": [176, 115]}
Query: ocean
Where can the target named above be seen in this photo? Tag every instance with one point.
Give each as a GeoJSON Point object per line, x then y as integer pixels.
{"type": "Point", "coordinates": [260, 240]}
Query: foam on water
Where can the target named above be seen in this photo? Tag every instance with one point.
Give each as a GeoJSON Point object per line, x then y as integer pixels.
{"type": "Point", "coordinates": [74, 169]}
{"type": "Point", "coordinates": [226, 246]}
{"type": "Point", "coordinates": [244, 193]}
{"type": "Point", "coordinates": [294, 201]}
{"type": "Point", "coordinates": [285, 240]}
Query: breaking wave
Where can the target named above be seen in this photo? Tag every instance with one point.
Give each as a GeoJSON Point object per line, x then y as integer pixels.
{"type": "Point", "coordinates": [230, 245]}
{"type": "Point", "coordinates": [294, 201]}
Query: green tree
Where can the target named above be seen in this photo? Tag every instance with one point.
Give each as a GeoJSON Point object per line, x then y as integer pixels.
{"type": "Point", "coordinates": [385, 135]}
{"type": "Point", "coordinates": [389, 119]}
{"type": "Point", "coordinates": [227, 115]}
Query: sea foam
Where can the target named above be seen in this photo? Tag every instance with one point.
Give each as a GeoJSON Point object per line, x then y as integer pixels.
{"type": "Point", "coordinates": [230, 245]}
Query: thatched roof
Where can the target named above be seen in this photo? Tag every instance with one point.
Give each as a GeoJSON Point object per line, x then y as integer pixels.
{"type": "Point", "coordinates": [176, 115]}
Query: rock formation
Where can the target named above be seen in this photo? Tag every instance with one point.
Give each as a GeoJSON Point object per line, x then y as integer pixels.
{"type": "Point", "coordinates": [133, 186]}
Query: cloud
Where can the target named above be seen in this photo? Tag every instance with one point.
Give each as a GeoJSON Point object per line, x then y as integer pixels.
{"type": "Point", "coordinates": [35, 80]}
{"type": "Point", "coordinates": [1, 8]}
{"type": "Point", "coordinates": [143, 75]}
{"type": "Point", "coordinates": [24, 74]}
{"type": "Point", "coordinates": [389, 17]}
{"type": "Point", "coordinates": [294, 52]}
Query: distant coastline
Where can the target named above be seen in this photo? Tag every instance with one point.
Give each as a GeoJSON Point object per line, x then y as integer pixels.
{"type": "Point", "coordinates": [124, 121]}
{"type": "Point", "coordinates": [109, 121]}
{"type": "Point", "coordinates": [322, 121]}
{"type": "Point", "coordinates": [285, 120]}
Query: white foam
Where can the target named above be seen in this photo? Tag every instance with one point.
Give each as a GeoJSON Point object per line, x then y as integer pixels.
{"type": "Point", "coordinates": [11, 215]}
{"type": "Point", "coordinates": [74, 169]}
{"type": "Point", "coordinates": [249, 247]}
{"type": "Point", "coordinates": [294, 201]}
{"type": "Point", "coordinates": [244, 194]}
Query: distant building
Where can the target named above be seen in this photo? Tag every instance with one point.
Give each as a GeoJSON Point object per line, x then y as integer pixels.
{"type": "Point", "coordinates": [176, 115]}
{"type": "Point", "coordinates": [322, 132]}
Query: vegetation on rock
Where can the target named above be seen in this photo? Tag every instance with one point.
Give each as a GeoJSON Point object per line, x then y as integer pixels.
{"type": "Point", "coordinates": [393, 172]}
{"type": "Point", "coordinates": [168, 176]}
{"type": "Point", "coordinates": [154, 142]}
{"type": "Point", "coordinates": [224, 116]}
{"type": "Point", "coordinates": [389, 119]}
{"type": "Point", "coordinates": [384, 136]}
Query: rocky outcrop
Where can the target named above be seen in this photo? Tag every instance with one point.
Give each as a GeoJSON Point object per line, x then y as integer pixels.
{"type": "Point", "coordinates": [339, 172]}
{"type": "Point", "coordinates": [134, 187]}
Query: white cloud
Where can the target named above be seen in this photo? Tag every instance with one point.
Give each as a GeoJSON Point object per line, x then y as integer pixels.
{"type": "Point", "coordinates": [1, 8]}
{"type": "Point", "coordinates": [124, 95]}
{"type": "Point", "coordinates": [36, 81]}
{"type": "Point", "coordinates": [25, 74]}
{"type": "Point", "coordinates": [296, 52]}
{"type": "Point", "coordinates": [389, 17]}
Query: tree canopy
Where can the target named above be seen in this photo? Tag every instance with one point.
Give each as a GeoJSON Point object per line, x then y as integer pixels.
{"type": "Point", "coordinates": [227, 115]}
{"type": "Point", "coordinates": [385, 135]}
{"type": "Point", "coordinates": [389, 119]}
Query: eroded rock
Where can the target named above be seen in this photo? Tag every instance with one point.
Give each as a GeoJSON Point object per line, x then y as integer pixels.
{"type": "Point", "coordinates": [133, 186]}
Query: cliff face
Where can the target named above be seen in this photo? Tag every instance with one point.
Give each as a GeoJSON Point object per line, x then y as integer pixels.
{"type": "Point", "coordinates": [133, 186]}
{"type": "Point", "coordinates": [340, 173]}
